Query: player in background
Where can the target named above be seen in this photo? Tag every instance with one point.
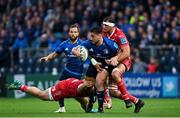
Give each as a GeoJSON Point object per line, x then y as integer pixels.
{"type": "Point", "coordinates": [73, 62]}
{"type": "Point", "coordinates": [100, 48]}
{"type": "Point", "coordinates": [63, 89]}
{"type": "Point", "coordinates": [122, 61]}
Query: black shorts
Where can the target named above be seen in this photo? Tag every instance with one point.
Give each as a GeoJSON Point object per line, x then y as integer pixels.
{"type": "Point", "coordinates": [92, 72]}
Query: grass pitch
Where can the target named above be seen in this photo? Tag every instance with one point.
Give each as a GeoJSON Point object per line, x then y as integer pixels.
{"type": "Point", "coordinates": [32, 107]}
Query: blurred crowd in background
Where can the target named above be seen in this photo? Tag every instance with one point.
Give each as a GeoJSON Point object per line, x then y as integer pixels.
{"type": "Point", "coordinates": [151, 26]}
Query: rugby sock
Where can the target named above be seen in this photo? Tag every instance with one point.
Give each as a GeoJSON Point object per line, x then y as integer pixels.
{"type": "Point", "coordinates": [91, 98]}
{"type": "Point", "coordinates": [100, 96]}
{"type": "Point", "coordinates": [61, 102]}
{"type": "Point", "coordinates": [123, 90]}
{"type": "Point", "coordinates": [133, 99]}
{"type": "Point", "coordinates": [106, 94]}
{"type": "Point", "coordinates": [23, 88]}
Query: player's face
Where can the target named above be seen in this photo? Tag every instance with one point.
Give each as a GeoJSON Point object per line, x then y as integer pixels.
{"type": "Point", "coordinates": [94, 38]}
{"type": "Point", "coordinates": [73, 33]}
{"type": "Point", "coordinates": [106, 28]}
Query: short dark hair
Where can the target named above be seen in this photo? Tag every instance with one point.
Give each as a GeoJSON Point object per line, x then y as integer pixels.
{"type": "Point", "coordinates": [75, 25]}
{"type": "Point", "coordinates": [96, 30]}
{"type": "Point", "coordinates": [108, 19]}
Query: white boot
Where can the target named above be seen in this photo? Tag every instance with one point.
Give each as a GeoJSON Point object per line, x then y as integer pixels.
{"type": "Point", "coordinates": [61, 110]}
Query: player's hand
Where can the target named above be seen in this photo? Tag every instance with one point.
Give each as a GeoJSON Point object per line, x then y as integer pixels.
{"type": "Point", "coordinates": [76, 51]}
{"type": "Point", "coordinates": [113, 61]}
{"type": "Point", "coordinates": [107, 104]}
{"type": "Point", "coordinates": [98, 67]}
{"type": "Point", "coordinates": [44, 59]}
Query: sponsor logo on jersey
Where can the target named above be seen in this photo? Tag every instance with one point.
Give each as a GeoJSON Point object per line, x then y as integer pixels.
{"type": "Point", "coordinates": [106, 51]}
{"type": "Point", "coordinates": [91, 50]}
{"type": "Point", "coordinates": [123, 40]}
{"type": "Point", "coordinates": [66, 49]}
{"type": "Point", "coordinates": [115, 45]}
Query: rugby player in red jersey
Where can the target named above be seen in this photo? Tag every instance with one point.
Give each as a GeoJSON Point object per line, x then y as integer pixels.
{"type": "Point", "coordinates": [63, 89]}
{"type": "Point", "coordinates": [122, 61]}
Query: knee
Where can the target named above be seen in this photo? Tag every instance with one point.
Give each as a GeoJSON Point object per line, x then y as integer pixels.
{"type": "Point", "coordinates": [100, 82]}
{"type": "Point", "coordinates": [116, 74]}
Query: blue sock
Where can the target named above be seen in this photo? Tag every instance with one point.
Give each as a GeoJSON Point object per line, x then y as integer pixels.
{"type": "Point", "coordinates": [61, 102]}
{"type": "Point", "coordinates": [100, 96]}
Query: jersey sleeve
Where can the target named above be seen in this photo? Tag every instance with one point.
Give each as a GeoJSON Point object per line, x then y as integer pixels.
{"type": "Point", "coordinates": [86, 44]}
{"type": "Point", "coordinates": [60, 48]}
{"type": "Point", "coordinates": [122, 41]}
{"type": "Point", "coordinates": [112, 45]}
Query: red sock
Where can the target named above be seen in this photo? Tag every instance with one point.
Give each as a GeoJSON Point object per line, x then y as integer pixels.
{"type": "Point", "coordinates": [123, 90]}
{"type": "Point", "coordinates": [133, 99]}
{"type": "Point", "coordinates": [106, 94]}
{"type": "Point", "coordinates": [23, 88]}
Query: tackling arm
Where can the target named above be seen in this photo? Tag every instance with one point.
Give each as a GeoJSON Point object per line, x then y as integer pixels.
{"type": "Point", "coordinates": [123, 53]}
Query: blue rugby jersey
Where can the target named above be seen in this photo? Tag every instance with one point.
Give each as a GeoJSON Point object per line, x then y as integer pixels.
{"type": "Point", "coordinates": [105, 51]}
{"type": "Point", "coordinates": [74, 65]}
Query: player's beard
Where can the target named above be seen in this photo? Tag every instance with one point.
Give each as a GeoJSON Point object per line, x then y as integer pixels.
{"type": "Point", "coordinates": [73, 38]}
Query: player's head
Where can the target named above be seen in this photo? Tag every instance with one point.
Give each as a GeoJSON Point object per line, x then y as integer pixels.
{"type": "Point", "coordinates": [74, 31]}
{"type": "Point", "coordinates": [95, 35]}
{"type": "Point", "coordinates": [108, 24]}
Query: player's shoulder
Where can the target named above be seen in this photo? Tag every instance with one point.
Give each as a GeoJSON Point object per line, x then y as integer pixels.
{"type": "Point", "coordinates": [119, 31]}
{"type": "Point", "coordinates": [65, 42]}
{"type": "Point", "coordinates": [87, 42]}
{"type": "Point", "coordinates": [80, 40]}
{"type": "Point", "coordinates": [107, 39]}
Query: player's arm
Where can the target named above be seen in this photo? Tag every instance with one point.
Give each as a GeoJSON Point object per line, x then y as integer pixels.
{"type": "Point", "coordinates": [123, 53]}
{"type": "Point", "coordinates": [49, 57]}
{"type": "Point", "coordinates": [96, 64]}
{"type": "Point", "coordinates": [54, 54]}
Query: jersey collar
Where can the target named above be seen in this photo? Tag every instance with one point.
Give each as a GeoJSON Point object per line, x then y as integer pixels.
{"type": "Point", "coordinates": [112, 32]}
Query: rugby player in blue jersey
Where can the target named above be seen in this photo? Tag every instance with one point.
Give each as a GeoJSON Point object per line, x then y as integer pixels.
{"type": "Point", "coordinates": [100, 48]}
{"type": "Point", "coordinates": [74, 65]}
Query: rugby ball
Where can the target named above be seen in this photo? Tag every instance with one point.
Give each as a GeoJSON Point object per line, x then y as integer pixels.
{"type": "Point", "coordinates": [84, 53]}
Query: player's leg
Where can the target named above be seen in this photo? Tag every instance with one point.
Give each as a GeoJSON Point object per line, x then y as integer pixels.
{"type": "Point", "coordinates": [107, 98]}
{"type": "Point", "coordinates": [114, 92]}
{"type": "Point", "coordinates": [100, 80]}
{"type": "Point", "coordinates": [117, 94]}
{"type": "Point", "coordinates": [117, 77]}
{"type": "Point", "coordinates": [91, 93]}
{"type": "Point", "coordinates": [34, 91]}
{"type": "Point", "coordinates": [137, 102]}
{"type": "Point", "coordinates": [61, 108]}
{"type": "Point", "coordinates": [83, 102]}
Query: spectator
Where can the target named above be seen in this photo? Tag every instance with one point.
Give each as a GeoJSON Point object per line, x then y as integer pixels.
{"type": "Point", "coordinates": [139, 66]}
{"type": "Point", "coordinates": [53, 42]}
{"type": "Point", "coordinates": [20, 42]}
{"type": "Point", "coordinates": [152, 66]}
